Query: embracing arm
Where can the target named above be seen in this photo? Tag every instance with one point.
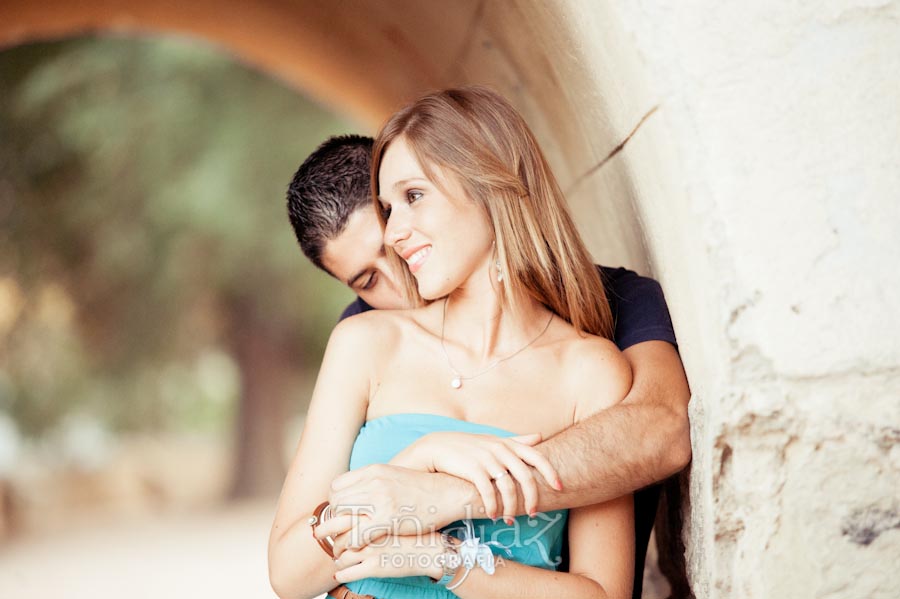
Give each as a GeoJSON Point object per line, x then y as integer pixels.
{"type": "Point", "coordinates": [602, 377]}
{"type": "Point", "coordinates": [640, 441]}
{"type": "Point", "coordinates": [297, 565]}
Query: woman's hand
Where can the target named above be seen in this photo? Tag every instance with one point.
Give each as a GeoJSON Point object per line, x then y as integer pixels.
{"type": "Point", "coordinates": [392, 557]}
{"type": "Point", "coordinates": [485, 461]}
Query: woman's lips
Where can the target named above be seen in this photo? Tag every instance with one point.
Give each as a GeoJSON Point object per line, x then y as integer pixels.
{"type": "Point", "coordinates": [418, 258]}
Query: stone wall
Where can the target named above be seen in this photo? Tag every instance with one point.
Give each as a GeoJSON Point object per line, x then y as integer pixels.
{"type": "Point", "coordinates": [775, 238]}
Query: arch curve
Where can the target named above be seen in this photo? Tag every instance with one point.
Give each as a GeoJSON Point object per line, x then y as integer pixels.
{"type": "Point", "coordinates": [366, 58]}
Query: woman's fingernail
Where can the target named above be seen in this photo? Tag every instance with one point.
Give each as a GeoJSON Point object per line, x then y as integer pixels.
{"type": "Point", "coordinates": [558, 485]}
{"type": "Point", "coordinates": [509, 521]}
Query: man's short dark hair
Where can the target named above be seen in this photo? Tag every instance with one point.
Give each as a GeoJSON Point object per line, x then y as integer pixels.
{"type": "Point", "coordinates": [330, 185]}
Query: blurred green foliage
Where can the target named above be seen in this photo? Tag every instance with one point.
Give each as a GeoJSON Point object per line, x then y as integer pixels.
{"type": "Point", "coordinates": [142, 220]}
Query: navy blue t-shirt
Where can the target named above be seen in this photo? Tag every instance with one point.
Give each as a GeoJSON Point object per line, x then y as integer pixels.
{"type": "Point", "coordinates": [640, 314]}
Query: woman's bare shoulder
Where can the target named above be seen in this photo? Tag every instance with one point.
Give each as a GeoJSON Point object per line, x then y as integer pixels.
{"type": "Point", "coordinates": [596, 373]}
{"type": "Point", "coordinates": [381, 329]}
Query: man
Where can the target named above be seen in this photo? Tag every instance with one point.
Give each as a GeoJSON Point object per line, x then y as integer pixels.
{"type": "Point", "coordinates": [636, 443]}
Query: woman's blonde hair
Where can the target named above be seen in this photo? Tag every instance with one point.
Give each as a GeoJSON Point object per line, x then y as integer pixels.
{"type": "Point", "coordinates": [476, 136]}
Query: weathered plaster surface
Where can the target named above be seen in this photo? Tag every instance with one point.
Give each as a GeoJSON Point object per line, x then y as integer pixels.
{"type": "Point", "coordinates": [778, 124]}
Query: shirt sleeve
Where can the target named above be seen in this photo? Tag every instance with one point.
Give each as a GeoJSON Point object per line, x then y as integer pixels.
{"type": "Point", "coordinates": [638, 307]}
{"type": "Point", "coordinates": [357, 306]}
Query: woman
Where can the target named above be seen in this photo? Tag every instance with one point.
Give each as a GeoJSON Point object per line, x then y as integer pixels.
{"type": "Point", "coordinates": [510, 338]}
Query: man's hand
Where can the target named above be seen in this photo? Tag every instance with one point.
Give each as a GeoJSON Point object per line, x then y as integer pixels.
{"type": "Point", "coordinates": [392, 557]}
{"type": "Point", "coordinates": [394, 500]}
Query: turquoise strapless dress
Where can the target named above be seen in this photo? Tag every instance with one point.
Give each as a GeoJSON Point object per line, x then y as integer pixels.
{"type": "Point", "coordinates": [533, 541]}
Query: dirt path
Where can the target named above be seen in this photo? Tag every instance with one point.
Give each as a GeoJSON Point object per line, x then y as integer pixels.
{"type": "Point", "coordinates": [218, 554]}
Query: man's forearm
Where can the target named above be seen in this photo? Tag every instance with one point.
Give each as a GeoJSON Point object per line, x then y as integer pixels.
{"type": "Point", "coordinates": [640, 441]}
{"type": "Point", "coordinates": [614, 455]}
{"type": "Point", "coordinates": [606, 456]}
{"type": "Point", "coordinates": [609, 462]}
{"type": "Point", "coordinates": [635, 443]}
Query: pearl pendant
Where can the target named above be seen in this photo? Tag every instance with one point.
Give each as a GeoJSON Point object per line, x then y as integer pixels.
{"type": "Point", "coordinates": [456, 383]}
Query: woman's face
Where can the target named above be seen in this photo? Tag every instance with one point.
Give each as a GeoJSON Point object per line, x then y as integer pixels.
{"type": "Point", "coordinates": [442, 235]}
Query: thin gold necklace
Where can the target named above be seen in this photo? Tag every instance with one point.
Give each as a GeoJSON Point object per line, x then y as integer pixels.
{"type": "Point", "coordinates": [458, 378]}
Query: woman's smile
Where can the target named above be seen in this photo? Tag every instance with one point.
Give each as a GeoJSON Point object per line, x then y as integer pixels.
{"type": "Point", "coordinates": [417, 257]}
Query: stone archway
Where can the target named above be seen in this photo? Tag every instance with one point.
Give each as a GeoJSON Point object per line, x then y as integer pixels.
{"type": "Point", "coordinates": [368, 57]}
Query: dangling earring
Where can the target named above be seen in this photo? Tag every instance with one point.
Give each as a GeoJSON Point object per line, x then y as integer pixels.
{"type": "Point", "coordinates": [499, 268]}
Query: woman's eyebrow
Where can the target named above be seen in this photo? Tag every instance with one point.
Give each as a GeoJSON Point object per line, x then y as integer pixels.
{"type": "Point", "coordinates": [406, 181]}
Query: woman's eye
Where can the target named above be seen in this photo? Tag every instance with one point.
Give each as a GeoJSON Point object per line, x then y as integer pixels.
{"type": "Point", "coordinates": [412, 195]}
{"type": "Point", "coordinates": [385, 211]}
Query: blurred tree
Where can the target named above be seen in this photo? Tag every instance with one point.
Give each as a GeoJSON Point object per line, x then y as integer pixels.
{"type": "Point", "coordinates": [144, 231]}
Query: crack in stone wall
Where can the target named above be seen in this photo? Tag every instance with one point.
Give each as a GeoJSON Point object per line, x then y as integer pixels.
{"type": "Point", "coordinates": [612, 153]}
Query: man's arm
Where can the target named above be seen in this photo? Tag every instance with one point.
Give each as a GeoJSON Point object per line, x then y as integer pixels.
{"type": "Point", "coordinates": [641, 440]}
{"type": "Point", "coordinates": [637, 442]}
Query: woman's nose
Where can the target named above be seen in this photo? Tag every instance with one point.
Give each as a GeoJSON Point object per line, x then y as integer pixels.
{"type": "Point", "coordinates": [395, 231]}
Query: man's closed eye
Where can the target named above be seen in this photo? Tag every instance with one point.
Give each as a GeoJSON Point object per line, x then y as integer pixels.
{"type": "Point", "coordinates": [370, 282]}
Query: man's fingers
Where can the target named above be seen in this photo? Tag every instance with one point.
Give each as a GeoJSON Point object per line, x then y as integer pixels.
{"type": "Point", "coordinates": [365, 532]}
{"type": "Point", "coordinates": [348, 558]}
{"type": "Point", "coordinates": [358, 571]}
{"type": "Point", "coordinates": [349, 532]}
{"type": "Point", "coordinates": [344, 543]}
{"type": "Point", "coordinates": [348, 479]}
{"type": "Point", "coordinates": [340, 543]}
{"type": "Point", "coordinates": [334, 526]}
